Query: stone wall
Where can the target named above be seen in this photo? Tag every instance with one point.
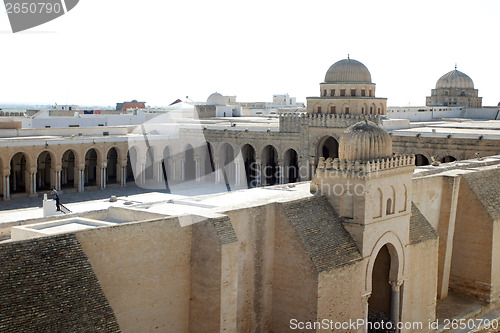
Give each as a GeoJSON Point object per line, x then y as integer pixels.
{"type": "Point", "coordinates": [471, 265]}
{"type": "Point", "coordinates": [295, 278]}
{"type": "Point", "coordinates": [255, 229]}
{"type": "Point", "coordinates": [144, 270]}
{"type": "Point", "coordinates": [205, 111]}
{"type": "Point", "coordinates": [340, 294]}
{"type": "Point", "coordinates": [420, 286]}
{"type": "Point", "coordinates": [433, 197]}
{"type": "Point", "coordinates": [207, 282]}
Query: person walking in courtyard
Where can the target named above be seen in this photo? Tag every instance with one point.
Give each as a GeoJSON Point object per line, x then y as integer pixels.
{"type": "Point", "coordinates": [56, 198]}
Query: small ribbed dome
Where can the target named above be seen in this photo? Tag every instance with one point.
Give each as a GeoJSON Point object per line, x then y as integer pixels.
{"type": "Point", "coordinates": [365, 141]}
{"type": "Point", "coordinates": [216, 99]}
{"type": "Point", "coordinates": [455, 79]}
{"type": "Point", "coordinates": [348, 70]}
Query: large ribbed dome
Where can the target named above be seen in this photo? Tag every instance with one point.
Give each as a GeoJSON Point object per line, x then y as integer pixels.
{"type": "Point", "coordinates": [348, 70]}
{"type": "Point", "coordinates": [365, 141]}
{"type": "Point", "coordinates": [455, 79]}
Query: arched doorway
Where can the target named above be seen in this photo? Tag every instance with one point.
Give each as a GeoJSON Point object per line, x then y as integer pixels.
{"type": "Point", "coordinates": [327, 147]}
{"type": "Point", "coordinates": [148, 170]}
{"type": "Point", "coordinates": [421, 160]}
{"type": "Point", "coordinates": [383, 304]}
{"type": "Point", "coordinates": [131, 164]}
{"type": "Point", "coordinates": [189, 163]}
{"type": "Point", "coordinates": [112, 163]}
{"type": "Point", "coordinates": [226, 158]}
{"type": "Point", "coordinates": [165, 164]}
{"type": "Point", "coordinates": [448, 159]}
{"type": "Point", "coordinates": [18, 175]}
{"type": "Point", "coordinates": [90, 172]}
{"type": "Point", "coordinates": [269, 166]}
{"type": "Point", "coordinates": [291, 166]}
{"type": "Point", "coordinates": [209, 166]}
{"type": "Point", "coordinates": [43, 170]}
{"type": "Point", "coordinates": [68, 169]}
{"type": "Point", "coordinates": [248, 153]}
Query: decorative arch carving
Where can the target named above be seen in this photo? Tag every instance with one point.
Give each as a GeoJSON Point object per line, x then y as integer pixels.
{"type": "Point", "coordinates": [379, 197]}
{"type": "Point", "coordinates": [391, 201]}
{"type": "Point", "coordinates": [405, 199]}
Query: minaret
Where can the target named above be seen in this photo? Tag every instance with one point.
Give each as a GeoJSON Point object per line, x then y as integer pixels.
{"type": "Point", "coordinates": [368, 186]}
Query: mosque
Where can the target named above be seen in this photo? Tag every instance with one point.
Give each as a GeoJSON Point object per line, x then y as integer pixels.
{"type": "Point", "coordinates": [334, 227]}
{"type": "Point", "coordinates": [76, 157]}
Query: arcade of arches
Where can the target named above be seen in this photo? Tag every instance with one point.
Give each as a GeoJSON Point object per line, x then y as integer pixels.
{"type": "Point", "coordinates": [92, 166]}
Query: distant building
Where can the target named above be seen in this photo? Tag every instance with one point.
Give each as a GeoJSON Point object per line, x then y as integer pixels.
{"type": "Point", "coordinates": [280, 104]}
{"type": "Point", "coordinates": [66, 107]}
{"type": "Point", "coordinates": [134, 104]}
{"type": "Point", "coordinates": [284, 100]}
{"type": "Point", "coordinates": [219, 106]}
{"type": "Point", "coordinates": [454, 89]}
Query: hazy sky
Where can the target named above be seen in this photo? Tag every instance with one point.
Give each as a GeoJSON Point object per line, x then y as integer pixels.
{"type": "Point", "coordinates": [107, 51]}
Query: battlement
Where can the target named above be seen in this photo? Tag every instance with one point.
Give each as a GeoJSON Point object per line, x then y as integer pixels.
{"type": "Point", "coordinates": [292, 122]}
{"type": "Point", "coordinates": [366, 166]}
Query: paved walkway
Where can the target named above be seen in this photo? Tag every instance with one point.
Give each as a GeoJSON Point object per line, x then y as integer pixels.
{"type": "Point", "coordinates": [72, 197]}
{"type": "Point", "coordinates": [18, 209]}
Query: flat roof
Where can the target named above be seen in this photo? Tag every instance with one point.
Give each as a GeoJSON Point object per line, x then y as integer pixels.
{"type": "Point", "coordinates": [463, 129]}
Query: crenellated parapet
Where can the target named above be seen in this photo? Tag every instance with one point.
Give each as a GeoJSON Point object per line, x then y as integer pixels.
{"type": "Point", "coordinates": [292, 122]}
{"type": "Point", "coordinates": [366, 166]}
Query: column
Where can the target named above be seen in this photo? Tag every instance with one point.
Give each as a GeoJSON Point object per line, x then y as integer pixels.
{"type": "Point", "coordinates": [174, 169]}
{"type": "Point", "coordinates": [395, 297]}
{"type": "Point", "coordinates": [312, 166]}
{"type": "Point", "coordinates": [121, 168]}
{"type": "Point", "coordinates": [123, 175]}
{"type": "Point", "coordinates": [237, 173]}
{"type": "Point", "coordinates": [32, 183]}
{"type": "Point", "coordinates": [143, 173]}
{"type": "Point", "coordinates": [197, 163]}
{"type": "Point", "coordinates": [140, 173]}
{"type": "Point", "coordinates": [218, 172]}
{"type": "Point", "coordinates": [6, 185]}
{"type": "Point", "coordinates": [183, 169]}
{"type": "Point", "coordinates": [58, 180]}
{"type": "Point", "coordinates": [258, 173]}
{"type": "Point", "coordinates": [81, 179]}
{"type": "Point", "coordinates": [157, 172]}
{"type": "Point", "coordinates": [281, 168]}
{"type": "Point", "coordinates": [103, 174]}
{"type": "Point", "coordinates": [366, 297]}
